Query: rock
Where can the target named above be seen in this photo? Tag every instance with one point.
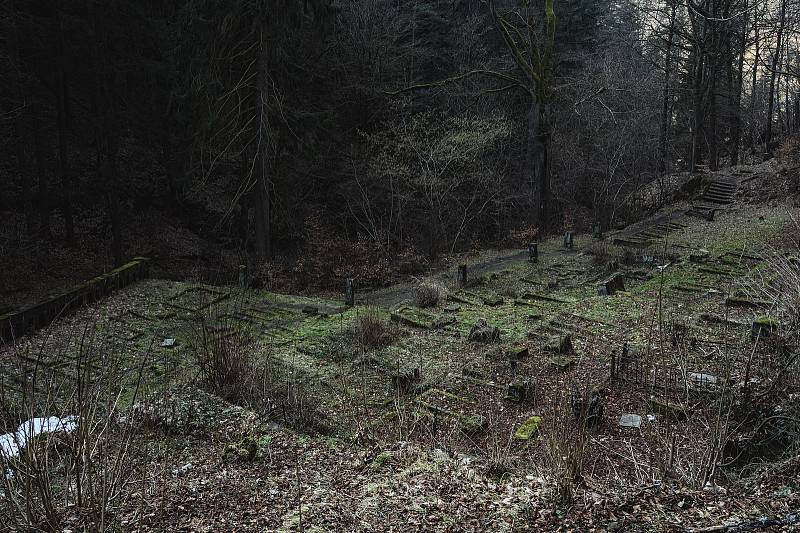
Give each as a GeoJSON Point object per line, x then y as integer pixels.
{"type": "Point", "coordinates": [670, 410]}
{"type": "Point", "coordinates": [519, 392]}
{"type": "Point", "coordinates": [443, 321]}
{"type": "Point", "coordinates": [528, 429]}
{"type": "Point", "coordinates": [472, 424]}
{"type": "Point", "coordinates": [242, 451]}
{"type": "Point", "coordinates": [746, 303]}
{"type": "Point", "coordinates": [562, 363]}
{"type": "Point", "coordinates": [413, 317]}
{"type": "Point", "coordinates": [699, 256]}
{"type": "Point", "coordinates": [404, 382]}
{"type": "Point", "coordinates": [182, 471]}
{"type": "Point", "coordinates": [561, 344]}
{"type": "Point", "coordinates": [488, 277]}
{"type": "Point", "coordinates": [764, 327]}
{"type": "Point", "coordinates": [169, 342]}
{"type": "Point", "coordinates": [493, 300]}
{"type": "Point", "coordinates": [483, 332]}
{"type": "Point", "coordinates": [613, 284]}
{"type": "Point", "coordinates": [630, 421]}
{"type": "Point", "coordinates": [518, 352]}
{"type": "Point", "coordinates": [714, 488]}
{"type": "Point", "coordinates": [380, 460]}
{"type": "Point", "coordinates": [452, 308]}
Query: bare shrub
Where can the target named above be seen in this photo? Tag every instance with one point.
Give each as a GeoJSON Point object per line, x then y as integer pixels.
{"type": "Point", "coordinates": [75, 460]}
{"type": "Point", "coordinates": [222, 348]}
{"type": "Point", "coordinates": [600, 252]}
{"type": "Point", "coordinates": [564, 448]}
{"type": "Point", "coordinates": [524, 236]}
{"type": "Point", "coordinates": [428, 294]}
{"type": "Point", "coordinates": [372, 329]}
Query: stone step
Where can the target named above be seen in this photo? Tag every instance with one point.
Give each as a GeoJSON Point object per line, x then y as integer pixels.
{"type": "Point", "coordinates": [716, 200]}
{"type": "Point", "coordinates": [722, 185]}
{"type": "Point", "coordinates": [720, 192]}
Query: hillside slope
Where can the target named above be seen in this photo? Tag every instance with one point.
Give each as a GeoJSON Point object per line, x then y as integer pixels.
{"type": "Point", "coordinates": [652, 408]}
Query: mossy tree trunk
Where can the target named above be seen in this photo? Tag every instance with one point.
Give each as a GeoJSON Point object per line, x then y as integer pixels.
{"type": "Point", "coordinates": [533, 54]}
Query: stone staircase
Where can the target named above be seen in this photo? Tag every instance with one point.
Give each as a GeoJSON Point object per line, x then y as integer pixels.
{"type": "Point", "coordinates": [719, 193]}
{"type": "Point", "coordinates": [652, 232]}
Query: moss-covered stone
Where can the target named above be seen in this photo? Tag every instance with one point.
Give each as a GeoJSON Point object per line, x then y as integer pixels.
{"type": "Point", "coordinates": [493, 300]}
{"type": "Point", "coordinates": [381, 460]}
{"type": "Point", "coordinates": [239, 452]}
{"type": "Point", "coordinates": [472, 424]}
{"type": "Point", "coordinates": [528, 429]}
{"type": "Point", "coordinates": [668, 409]}
{"type": "Point", "coordinates": [763, 327]}
{"type": "Point", "coordinates": [562, 363]}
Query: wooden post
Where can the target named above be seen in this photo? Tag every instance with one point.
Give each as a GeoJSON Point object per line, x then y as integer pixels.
{"type": "Point", "coordinates": [462, 275]}
{"type": "Point", "coordinates": [350, 293]}
{"type": "Point", "coordinates": [568, 240]}
{"type": "Point", "coordinates": [533, 252]}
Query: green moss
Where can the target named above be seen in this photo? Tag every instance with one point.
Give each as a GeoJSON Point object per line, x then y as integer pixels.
{"type": "Point", "coordinates": [766, 322]}
{"type": "Point", "coordinates": [380, 460]}
{"type": "Point", "coordinates": [528, 429]}
{"type": "Point", "coordinates": [414, 317]}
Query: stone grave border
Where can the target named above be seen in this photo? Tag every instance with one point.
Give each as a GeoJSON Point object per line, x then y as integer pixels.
{"type": "Point", "coordinates": [38, 316]}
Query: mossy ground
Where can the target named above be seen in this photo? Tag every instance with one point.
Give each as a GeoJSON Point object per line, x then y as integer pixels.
{"type": "Point", "coordinates": [309, 344]}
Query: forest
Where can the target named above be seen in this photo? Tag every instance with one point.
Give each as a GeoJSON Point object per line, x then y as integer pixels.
{"type": "Point", "coordinates": [402, 265]}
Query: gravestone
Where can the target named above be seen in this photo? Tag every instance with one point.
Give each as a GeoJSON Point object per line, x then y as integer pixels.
{"type": "Point", "coordinates": [597, 231]}
{"type": "Point", "coordinates": [588, 409]}
{"type": "Point", "coordinates": [519, 392]}
{"type": "Point", "coordinates": [518, 352]}
{"type": "Point", "coordinates": [533, 252]}
{"type": "Point", "coordinates": [462, 275]}
{"type": "Point", "coordinates": [568, 240]}
{"type": "Point", "coordinates": [244, 282]}
{"type": "Point", "coordinates": [702, 381]}
{"type": "Point", "coordinates": [483, 332]}
{"type": "Point", "coordinates": [763, 327]}
{"type": "Point", "coordinates": [630, 421]}
{"type": "Point", "coordinates": [350, 293]}
{"type": "Point", "coordinates": [612, 285]}
{"type": "Point", "coordinates": [405, 381]}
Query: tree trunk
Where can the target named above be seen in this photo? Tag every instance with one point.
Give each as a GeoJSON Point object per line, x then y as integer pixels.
{"type": "Point", "coordinates": [756, 59]}
{"type": "Point", "coordinates": [698, 113]}
{"type": "Point", "coordinates": [105, 139]}
{"type": "Point", "coordinates": [772, 78]}
{"type": "Point", "coordinates": [261, 195]}
{"type": "Point", "coordinates": [736, 107]}
{"type": "Point", "coordinates": [666, 111]}
{"type": "Point", "coordinates": [19, 123]}
{"type": "Point", "coordinates": [62, 102]}
{"type": "Point", "coordinates": [43, 193]}
{"type": "Point", "coordinates": [537, 164]}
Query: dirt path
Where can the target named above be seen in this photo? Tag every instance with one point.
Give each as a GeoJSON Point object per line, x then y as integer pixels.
{"type": "Point", "coordinates": [397, 294]}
